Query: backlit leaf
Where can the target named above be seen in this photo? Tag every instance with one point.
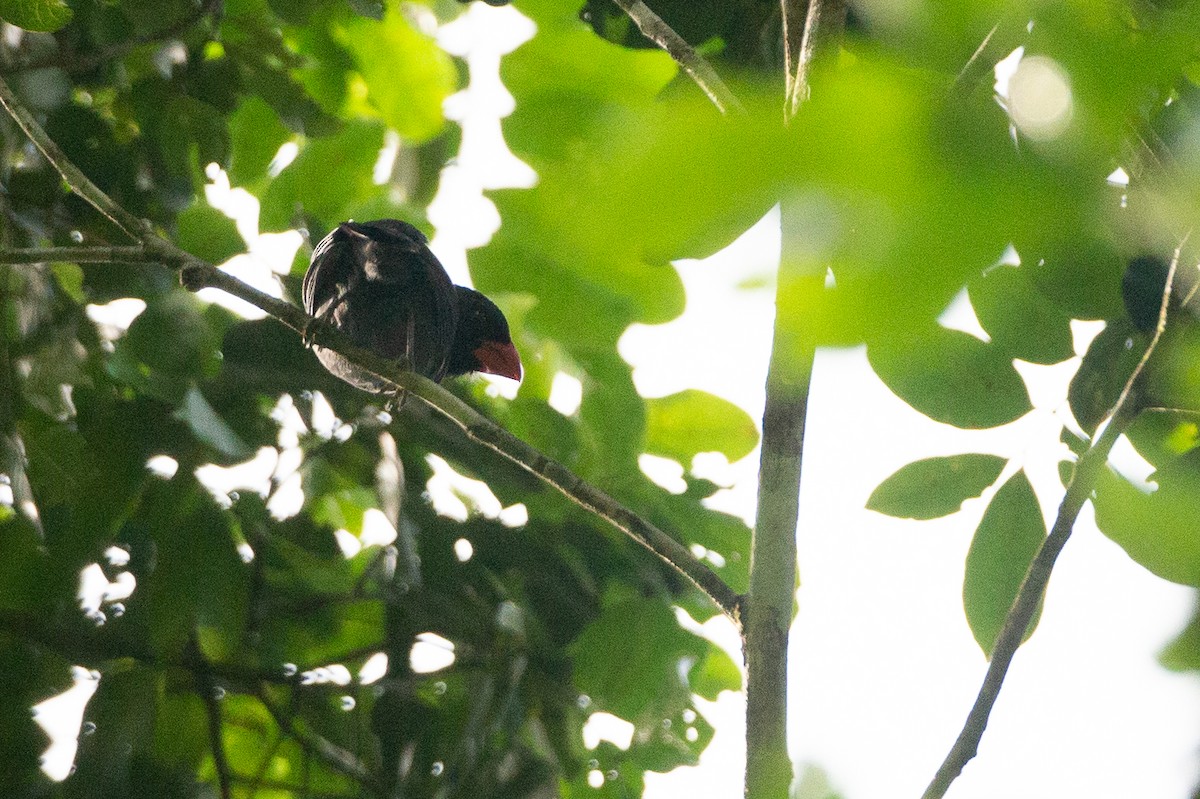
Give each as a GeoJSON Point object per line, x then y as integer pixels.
{"type": "Point", "coordinates": [36, 15]}
{"type": "Point", "coordinates": [952, 377]}
{"type": "Point", "coordinates": [934, 487]}
{"type": "Point", "coordinates": [681, 425]}
{"type": "Point", "coordinates": [1005, 543]}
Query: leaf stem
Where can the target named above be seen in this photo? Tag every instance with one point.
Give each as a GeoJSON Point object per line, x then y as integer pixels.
{"type": "Point", "coordinates": [1087, 471]}
{"type": "Point", "coordinates": [77, 255]}
{"type": "Point", "coordinates": [654, 28]}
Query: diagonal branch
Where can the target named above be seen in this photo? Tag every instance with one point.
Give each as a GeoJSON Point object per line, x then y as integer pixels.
{"type": "Point", "coordinates": [77, 255]}
{"type": "Point", "coordinates": [654, 28]}
{"type": "Point", "coordinates": [1087, 471]}
{"type": "Point", "coordinates": [74, 177]}
{"type": "Point", "coordinates": [196, 274]}
{"type": "Point", "coordinates": [321, 747]}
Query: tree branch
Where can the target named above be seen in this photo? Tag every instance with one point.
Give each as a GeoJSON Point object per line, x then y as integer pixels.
{"type": "Point", "coordinates": [77, 255]}
{"type": "Point", "coordinates": [321, 748]}
{"type": "Point", "coordinates": [823, 27]}
{"type": "Point", "coordinates": [74, 177]}
{"type": "Point", "coordinates": [209, 694]}
{"type": "Point", "coordinates": [773, 566]}
{"type": "Point", "coordinates": [1087, 471]}
{"type": "Point", "coordinates": [658, 31]}
{"type": "Point", "coordinates": [196, 274]}
{"type": "Point", "coordinates": [773, 575]}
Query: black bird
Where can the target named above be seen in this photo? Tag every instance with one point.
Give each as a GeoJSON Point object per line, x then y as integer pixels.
{"type": "Point", "coordinates": [380, 284]}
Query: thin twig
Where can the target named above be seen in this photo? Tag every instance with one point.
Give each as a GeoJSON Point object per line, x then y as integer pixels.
{"type": "Point", "coordinates": [823, 27]}
{"type": "Point", "coordinates": [1165, 409]}
{"type": "Point", "coordinates": [975, 55]}
{"type": "Point", "coordinates": [658, 31]}
{"type": "Point", "coordinates": [210, 695]}
{"type": "Point", "coordinates": [791, 13]}
{"type": "Point", "coordinates": [74, 177]}
{"type": "Point", "coordinates": [1087, 471]}
{"type": "Point", "coordinates": [76, 255]}
{"type": "Point", "coordinates": [320, 747]}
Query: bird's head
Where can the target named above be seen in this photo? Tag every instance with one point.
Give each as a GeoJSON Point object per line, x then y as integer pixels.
{"type": "Point", "coordinates": [482, 342]}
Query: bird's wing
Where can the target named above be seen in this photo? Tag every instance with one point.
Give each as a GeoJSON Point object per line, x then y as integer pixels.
{"type": "Point", "coordinates": [397, 253]}
{"type": "Point", "coordinates": [330, 271]}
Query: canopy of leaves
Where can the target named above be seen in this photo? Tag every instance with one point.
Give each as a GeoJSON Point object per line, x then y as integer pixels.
{"type": "Point", "coordinates": [223, 663]}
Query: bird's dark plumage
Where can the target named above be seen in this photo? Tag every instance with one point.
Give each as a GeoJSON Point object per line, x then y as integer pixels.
{"type": "Point", "coordinates": [380, 284]}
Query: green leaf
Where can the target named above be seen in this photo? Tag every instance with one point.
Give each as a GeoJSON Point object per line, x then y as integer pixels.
{"type": "Point", "coordinates": [407, 75]}
{"type": "Point", "coordinates": [1081, 273]}
{"type": "Point", "coordinates": [210, 428]}
{"type": "Point", "coordinates": [934, 487]}
{"type": "Point", "coordinates": [1009, 536]}
{"type": "Point", "coordinates": [715, 673]}
{"type": "Point", "coordinates": [323, 632]}
{"type": "Point", "coordinates": [23, 568]}
{"type": "Point", "coordinates": [36, 15]}
{"type": "Point", "coordinates": [1018, 318]}
{"type": "Point", "coordinates": [198, 580]}
{"type": "Point", "coordinates": [627, 659]}
{"type": "Point", "coordinates": [681, 425]}
{"type": "Point", "coordinates": [208, 233]}
{"type": "Point", "coordinates": [328, 176]}
{"type": "Point", "coordinates": [952, 377]}
{"type": "Point", "coordinates": [121, 715]}
{"type": "Point", "coordinates": [256, 134]}
{"type": "Point", "coordinates": [1183, 653]}
{"type": "Point", "coordinates": [181, 728]}
{"type": "Point", "coordinates": [686, 516]}
{"type": "Point", "coordinates": [1106, 367]}
{"type": "Point", "coordinates": [1157, 529]}
{"type": "Point", "coordinates": [30, 674]}
{"type": "Point", "coordinates": [167, 348]}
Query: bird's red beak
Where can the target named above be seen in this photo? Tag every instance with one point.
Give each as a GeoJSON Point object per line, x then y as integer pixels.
{"type": "Point", "coordinates": [496, 358]}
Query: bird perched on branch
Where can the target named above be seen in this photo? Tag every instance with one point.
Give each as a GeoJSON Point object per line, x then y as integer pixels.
{"type": "Point", "coordinates": [379, 284]}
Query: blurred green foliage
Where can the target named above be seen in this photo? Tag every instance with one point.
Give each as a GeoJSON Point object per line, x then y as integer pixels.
{"type": "Point", "coordinates": [902, 177]}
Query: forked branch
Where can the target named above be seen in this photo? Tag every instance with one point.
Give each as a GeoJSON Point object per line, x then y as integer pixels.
{"type": "Point", "coordinates": [1087, 471]}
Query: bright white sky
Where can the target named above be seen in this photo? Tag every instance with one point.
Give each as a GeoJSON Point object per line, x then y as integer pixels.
{"type": "Point", "coordinates": [883, 666]}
